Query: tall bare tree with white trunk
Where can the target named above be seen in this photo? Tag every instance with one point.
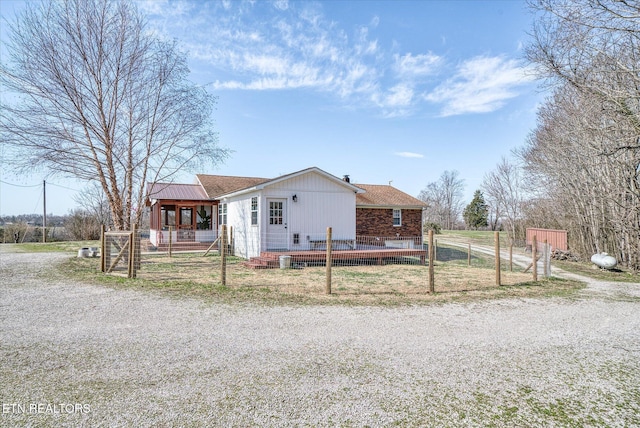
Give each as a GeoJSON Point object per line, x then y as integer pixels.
{"type": "Point", "coordinates": [90, 93]}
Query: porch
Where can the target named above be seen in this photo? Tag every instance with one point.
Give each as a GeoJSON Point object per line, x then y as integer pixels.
{"type": "Point", "coordinates": [378, 256]}
{"type": "Point", "coordinates": [182, 238]}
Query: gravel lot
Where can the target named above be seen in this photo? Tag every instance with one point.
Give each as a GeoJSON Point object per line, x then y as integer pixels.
{"type": "Point", "coordinates": [86, 355]}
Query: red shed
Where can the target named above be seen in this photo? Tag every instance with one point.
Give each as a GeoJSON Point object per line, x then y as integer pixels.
{"type": "Point", "coordinates": [556, 238]}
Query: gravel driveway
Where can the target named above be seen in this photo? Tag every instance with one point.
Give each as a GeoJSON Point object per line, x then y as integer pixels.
{"type": "Point", "coordinates": [86, 355]}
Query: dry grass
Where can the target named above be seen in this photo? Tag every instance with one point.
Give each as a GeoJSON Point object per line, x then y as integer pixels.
{"type": "Point", "coordinates": [391, 284]}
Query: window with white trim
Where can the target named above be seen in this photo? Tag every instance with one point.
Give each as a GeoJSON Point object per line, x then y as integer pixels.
{"type": "Point", "coordinates": [397, 217]}
{"type": "Point", "coordinates": [222, 214]}
{"type": "Point", "coordinates": [276, 212]}
{"type": "Point", "coordinates": [254, 211]}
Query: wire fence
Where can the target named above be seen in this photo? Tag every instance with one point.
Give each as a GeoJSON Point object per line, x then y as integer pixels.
{"type": "Point", "coordinates": [323, 264]}
{"type": "Point", "coordinates": [120, 253]}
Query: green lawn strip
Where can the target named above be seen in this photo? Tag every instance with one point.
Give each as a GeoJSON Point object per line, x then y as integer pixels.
{"type": "Point", "coordinates": [591, 271]}
{"type": "Point", "coordinates": [49, 247]}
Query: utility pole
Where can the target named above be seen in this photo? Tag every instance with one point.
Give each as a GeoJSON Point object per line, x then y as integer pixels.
{"type": "Point", "coordinates": [44, 211]}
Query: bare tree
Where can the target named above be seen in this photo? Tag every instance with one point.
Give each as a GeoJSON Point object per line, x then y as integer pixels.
{"type": "Point", "coordinates": [82, 225]}
{"type": "Point", "coordinates": [444, 199]}
{"type": "Point", "coordinates": [593, 46]}
{"type": "Point", "coordinates": [94, 202]}
{"type": "Point", "coordinates": [98, 98]}
{"type": "Point", "coordinates": [504, 189]}
{"type": "Point", "coordinates": [585, 150]}
{"type": "Point", "coordinates": [594, 191]}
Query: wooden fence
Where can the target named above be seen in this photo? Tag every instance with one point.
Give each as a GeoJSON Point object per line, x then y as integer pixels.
{"type": "Point", "coordinates": [120, 252]}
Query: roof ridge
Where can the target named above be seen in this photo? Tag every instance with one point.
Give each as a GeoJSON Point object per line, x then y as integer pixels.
{"type": "Point", "coordinates": [234, 176]}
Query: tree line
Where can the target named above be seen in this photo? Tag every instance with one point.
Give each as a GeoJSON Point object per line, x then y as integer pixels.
{"type": "Point", "coordinates": [584, 155]}
{"type": "Point", "coordinates": [579, 168]}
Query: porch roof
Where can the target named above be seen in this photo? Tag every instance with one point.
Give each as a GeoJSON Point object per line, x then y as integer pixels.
{"type": "Point", "coordinates": [386, 196]}
{"type": "Point", "coordinates": [185, 192]}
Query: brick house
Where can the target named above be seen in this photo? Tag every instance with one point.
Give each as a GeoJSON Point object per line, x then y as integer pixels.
{"type": "Point", "coordinates": [290, 212]}
{"type": "Point", "coordinates": [386, 211]}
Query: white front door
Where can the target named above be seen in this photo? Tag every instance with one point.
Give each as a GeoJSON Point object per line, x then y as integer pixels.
{"type": "Point", "coordinates": [277, 235]}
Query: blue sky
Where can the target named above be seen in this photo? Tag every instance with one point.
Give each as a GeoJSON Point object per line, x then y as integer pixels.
{"type": "Point", "coordinates": [385, 91]}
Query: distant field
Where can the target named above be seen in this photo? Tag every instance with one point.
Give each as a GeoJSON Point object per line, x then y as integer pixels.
{"type": "Point", "coordinates": [48, 247]}
{"type": "Point", "coordinates": [473, 237]}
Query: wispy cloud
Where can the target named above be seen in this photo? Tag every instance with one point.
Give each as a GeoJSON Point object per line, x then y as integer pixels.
{"type": "Point", "coordinates": [480, 85]}
{"type": "Point", "coordinates": [285, 45]}
{"type": "Point", "coordinates": [410, 65]}
{"type": "Point", "coordinates": [408, 155]}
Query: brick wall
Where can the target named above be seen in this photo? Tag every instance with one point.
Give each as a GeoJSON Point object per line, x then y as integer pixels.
{"type": "Point", "coordinates": [379, 222]}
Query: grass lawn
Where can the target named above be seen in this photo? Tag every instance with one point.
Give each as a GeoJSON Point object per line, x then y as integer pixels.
{"type": "Point", "coordinates": [473, 237]}
{"type": "Point", "coordinates": [592, 271]}
{"type": "Point", "coordinates": [584, 268]}
{"type": "Point", "coordinates": [48, 247]}
{"type": "Point", "coordinates": [194, 275]}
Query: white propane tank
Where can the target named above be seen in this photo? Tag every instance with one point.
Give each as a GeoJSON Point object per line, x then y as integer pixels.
{"type": "Point", "coordinates": [604, 261]}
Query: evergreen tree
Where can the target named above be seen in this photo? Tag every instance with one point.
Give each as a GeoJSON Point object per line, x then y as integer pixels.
{"type": "Point", "coordinates": [477, 212]}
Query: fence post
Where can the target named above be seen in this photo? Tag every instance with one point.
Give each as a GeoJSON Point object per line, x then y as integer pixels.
{"type": "Point", "coordinates": [511, 255]}
{"type": "Point", "coordinates": [135, 252]}
{"type": "Point", "coordinates": [223, 255]}
{"type": "Point", "coordinates": [130, 267]}
{"type": "Point", "coordinates": [534, 255]}
{"type": "Point", "coordinates": [170, 239]}
{"type": "Point", "coordinates": [469, 255]}
{"type": "Point", "coordinates": [136, 238]}
{"type": "Point", "coordinates": [497, 245]}
{"type": "Point", "coordinates": [432, 288]}
{"type": "Point", "coordinates": [103, 248]}
{"type": "Point", "coordinates": [328, 262]}
{"type": "Point", "coordinates": [435, 250]}
{"type": "Point", "coordinates": [545, 263]}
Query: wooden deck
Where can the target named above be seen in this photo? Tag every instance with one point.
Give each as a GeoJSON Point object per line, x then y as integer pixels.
{"type": "Point", "coordinates": [271, 259]}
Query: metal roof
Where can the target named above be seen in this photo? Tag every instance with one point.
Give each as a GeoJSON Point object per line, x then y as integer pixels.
{"type": "Point", "coordinates": [185, 192]}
